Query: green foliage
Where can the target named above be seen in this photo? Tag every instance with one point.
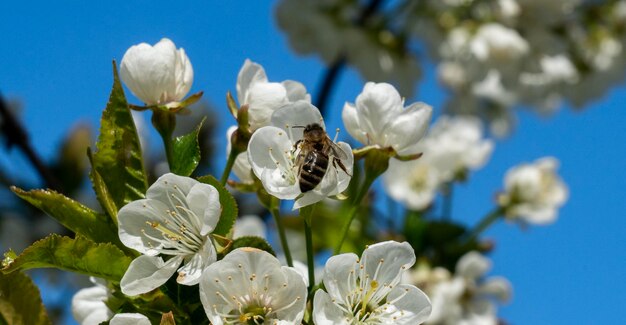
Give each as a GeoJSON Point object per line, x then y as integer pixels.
{"type": "Point", "coordinates": [72, 214]}
{"type": "Point", "coordinates": [79, 255]}
{"type": "Point", "coordinates": [229, 206]}
{"type": "Point", "coordinates": [253, 241]}
{"type": "Point", "coordinates": [117, 165]}
{"type": "Point", "coordinates": [186, 152]}
{"type": "Point", "coordinates": [20, 303]}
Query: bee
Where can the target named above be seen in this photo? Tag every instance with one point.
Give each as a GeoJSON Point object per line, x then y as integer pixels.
{"type": "Point", "coordinates": [316, 151]}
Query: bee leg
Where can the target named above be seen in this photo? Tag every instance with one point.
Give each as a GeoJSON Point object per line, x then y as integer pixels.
{"type": "Point", "coordinates": [341, 165]}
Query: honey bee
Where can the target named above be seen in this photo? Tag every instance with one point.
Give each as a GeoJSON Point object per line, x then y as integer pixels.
{"type": "Point", "coordinates": [316, 150]}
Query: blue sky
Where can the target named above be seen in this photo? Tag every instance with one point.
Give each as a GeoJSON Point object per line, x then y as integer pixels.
{"type": "Point", "coordinates": [56, 60]}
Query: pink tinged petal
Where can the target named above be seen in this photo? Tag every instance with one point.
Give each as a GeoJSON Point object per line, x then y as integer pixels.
{"type": "Point", "coordinates": [250, 74]}
{"type": "Point", "coordinates": [147, 273]}
{"type": "Point", "coordinates": [407, 129]}
{"type": "Point", "coordinates": [268, 152]}
{"type": "Point", "coordinates": [385, 262]}
{"type": "Point", "coordinates": [192, 269]}
{"type": "Point", "coordinates": [351, 122]}
{"type": "Point", "coordinates": [263, 100]}
{"type": "Point", "coordinates": [472, 265]}
{"type": "Point", "coordinates": [204, 201]}
{"type": "Point", "coordinates": [299, 114]}
{"type": "Point", "coordinates": [410, 305]}
{"type": "Point", "coordinates": [295, 91]}
{"type": "Point", "coordinates": [134, 225]}
{"type": "Point", "coordinates": [129, 319]}
{"type": "Point", "coordinates": [88, 307]}
{"type": "Point", "coordinates": [340, 276]}
{"type": "Point", "coordinates": [326, 312]}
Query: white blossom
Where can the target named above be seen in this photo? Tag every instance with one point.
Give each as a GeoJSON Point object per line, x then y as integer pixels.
{"type": "Point", "coordinates": [379, 118]}
{"type": "Point", "coordinates": [159, 74]}
{"type": "Point", "coordinates": [129, 319]}
{"type": "Point", "coordinates": [368, 290]}
{"type": "Point", "coordinates": [249, 286]}
{"type": "Point", "coordinates": [88, 305]}
{"type": "Point", "coordinates": [413, 183]}
{"type": "Point", "coordinates": [273, 155]}
{"type": "Point", "coordinates": [174, 221]}
{"type": "Point", "coordinates": [466, 297]}
{"type": "Point", "coordinates": [263, 97]}
{"type": "Point", "coordinates": [533, 192]}
{"type": "Point", "coordinates": [495, 42]}
{"type": "Point", "coordinates": [249, 225]}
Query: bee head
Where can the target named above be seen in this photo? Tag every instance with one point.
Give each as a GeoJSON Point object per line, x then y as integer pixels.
{"type": "Point", "coordinates": [314, 132]}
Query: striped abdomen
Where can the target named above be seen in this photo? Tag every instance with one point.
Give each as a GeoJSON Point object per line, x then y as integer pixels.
{"type": "Point", "coordinates": [313, 170]}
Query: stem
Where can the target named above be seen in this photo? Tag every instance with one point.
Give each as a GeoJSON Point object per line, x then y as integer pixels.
{"type": "Point", "coordinates": [489, 219]}
{"type": "Point", "coordinates": [275, 211]}
{"type": "Point", "coordinates": [369, 179]}
{"type": "Point", "coordinates": [16, 135]}
{"type": "Point", "coordinates": [447, 201]}
{"type": "Point", "coordinates": [306, 213]}
{"type": "Point", "coordinates": [164, 123]}
{"type": "Point", "coordinates": [229, 165]}
{"type": "Point", "coordinates": [309, 253]}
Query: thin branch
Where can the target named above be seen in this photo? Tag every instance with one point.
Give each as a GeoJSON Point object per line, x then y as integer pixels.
{"type": "Point", "coordinates": [15, 134]}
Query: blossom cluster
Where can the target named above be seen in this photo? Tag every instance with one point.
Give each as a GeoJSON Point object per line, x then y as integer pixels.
{"type": "Point", "coordinates": [492, 56]}
{"type": "Point", "coordinates": [177, 233]}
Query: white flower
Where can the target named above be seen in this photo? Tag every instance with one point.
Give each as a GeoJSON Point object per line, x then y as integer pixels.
{"type": "Point", "coordinates": [273, 153]}
{"type": "Point", "coordinates": [494, 42]}
{"type": "Point", "coordinates": [534, 192]}
{"type": "Point", "coordinates": [413, 183]}
{"type": "Point", "coordinates": [379, 118]}
{"type": "Point", "coordinates": [241, 168]}
{"type": "Point", "coordinates": [368, 290]}
{"type": "Point", "coordinates": [455, 144]}
{"type": "Point", "coordinates": [249, 286]}
{"type": "Point", "coordinates": [492, 89]}
{"type": "Point", "coordinates": [263, 97]}
{"type": "Point", "coordinates": [174, 220]}
{"type": "Point", "coordinates": [158, 74]}
{"type": "Point", "coordinates": [467, 298]}
{"type": "Point", "coordinates": [249, 225]}
{"type": "Point", "coordinates": [129, 319]}
{"type": "Point", "coordinates": [88, 305]}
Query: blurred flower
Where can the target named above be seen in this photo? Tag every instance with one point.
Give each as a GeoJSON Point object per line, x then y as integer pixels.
{"type": "Point", "coordinates": [533, 192]}
{"type": "Point", "coordinates": [249, 286]}
{"type": "Point", "coordinates": [159, 74]}
{"type": "Point", "coordinates": [379, 118]}
{"type": "Point", "coordinates": [497, 43]}
{"type": "Point", "coordinates": [88, 304]}
{"type": "Point", "coordinates": [175, 219]}
{"type": "Point", "coordinates": [455, 145]}
{"type": "Point", "coordinates": [263, 97]}
{"type": "Point", "coordinates": [273, 155]}
{"type": "Point", "coordinates": [129, 319]}
{"type": "Point", "coordinates": [413, 183]}
{"type": "Point", "coordinates": [250, 225]}
{"type": "Point", "coordinates": [465, 298]}
{"type": "Point", "coordinates": [368, 290]}
{"type": "Point", "coordinates": [241, 168]}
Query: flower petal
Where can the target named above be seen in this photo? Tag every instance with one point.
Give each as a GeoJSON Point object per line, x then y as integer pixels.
{"type": "Point", "coordinates": [298, 114]}
{"type": "Point", "coordinates": [409, 305]}
{"type": "Point", "coordinates": [386, 261]}
{"type": "Point", "coordinates": [204, 201]}
{"type": "Point", "coordinates": [472, 265]}
{"type": "Point", "coordinates": [351, 122]}
{"type": "Point", "coordinates": [171, 188]}
{"type": "Point", "coordinates": [147, 273]}
{"type": "Point", "coordinates": [249, 74]}
{"type": "Point", "coordinates": [129, 319]}
{"type": "Point", "coordinates": [192, 269]}
{"type": "Point", "coordinates": [263, 100]}
{"type": "Point", "coordinates": [268, 152]}
{"type": "Point", "coordinates": [407, 129]}
{"type": "Point", "coordinates": [134, 228]}
{"type": "Point", "coordinates": [377, 105]}
{"type": "Point", "coordinates": [340, 276]}
{"type": "Point", "coordinates": [326, 312]}
{"type": "Point", "coordinates": [296, 91]}
{"type": "Point", "coordinates": [88, 305]}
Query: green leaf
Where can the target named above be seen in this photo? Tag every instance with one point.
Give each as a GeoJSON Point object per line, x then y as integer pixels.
{"type": "Point", "coordinates": [186, 152]}
{"type": "Point", "coordinates": [20, 303]}
{"type": "Point", "coordinates": [102, 193]}
{"type": "Point", "coordinates": [79, 255]}
{"type": "Point", "coordinates": [117, 163]}
{"type": "Point", "coordinates": [73, 215]}
{"type": "Point", "coordinates": [253, 241]}
{"type": "Point", "coordinates": [229, 206]}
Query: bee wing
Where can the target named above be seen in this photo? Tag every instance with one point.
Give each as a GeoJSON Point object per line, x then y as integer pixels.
{"type": "Point", "coordinates": [337, 151]}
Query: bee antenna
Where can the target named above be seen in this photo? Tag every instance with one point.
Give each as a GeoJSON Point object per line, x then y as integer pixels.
{"type": "Point", "coordinates": [298, 127]}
